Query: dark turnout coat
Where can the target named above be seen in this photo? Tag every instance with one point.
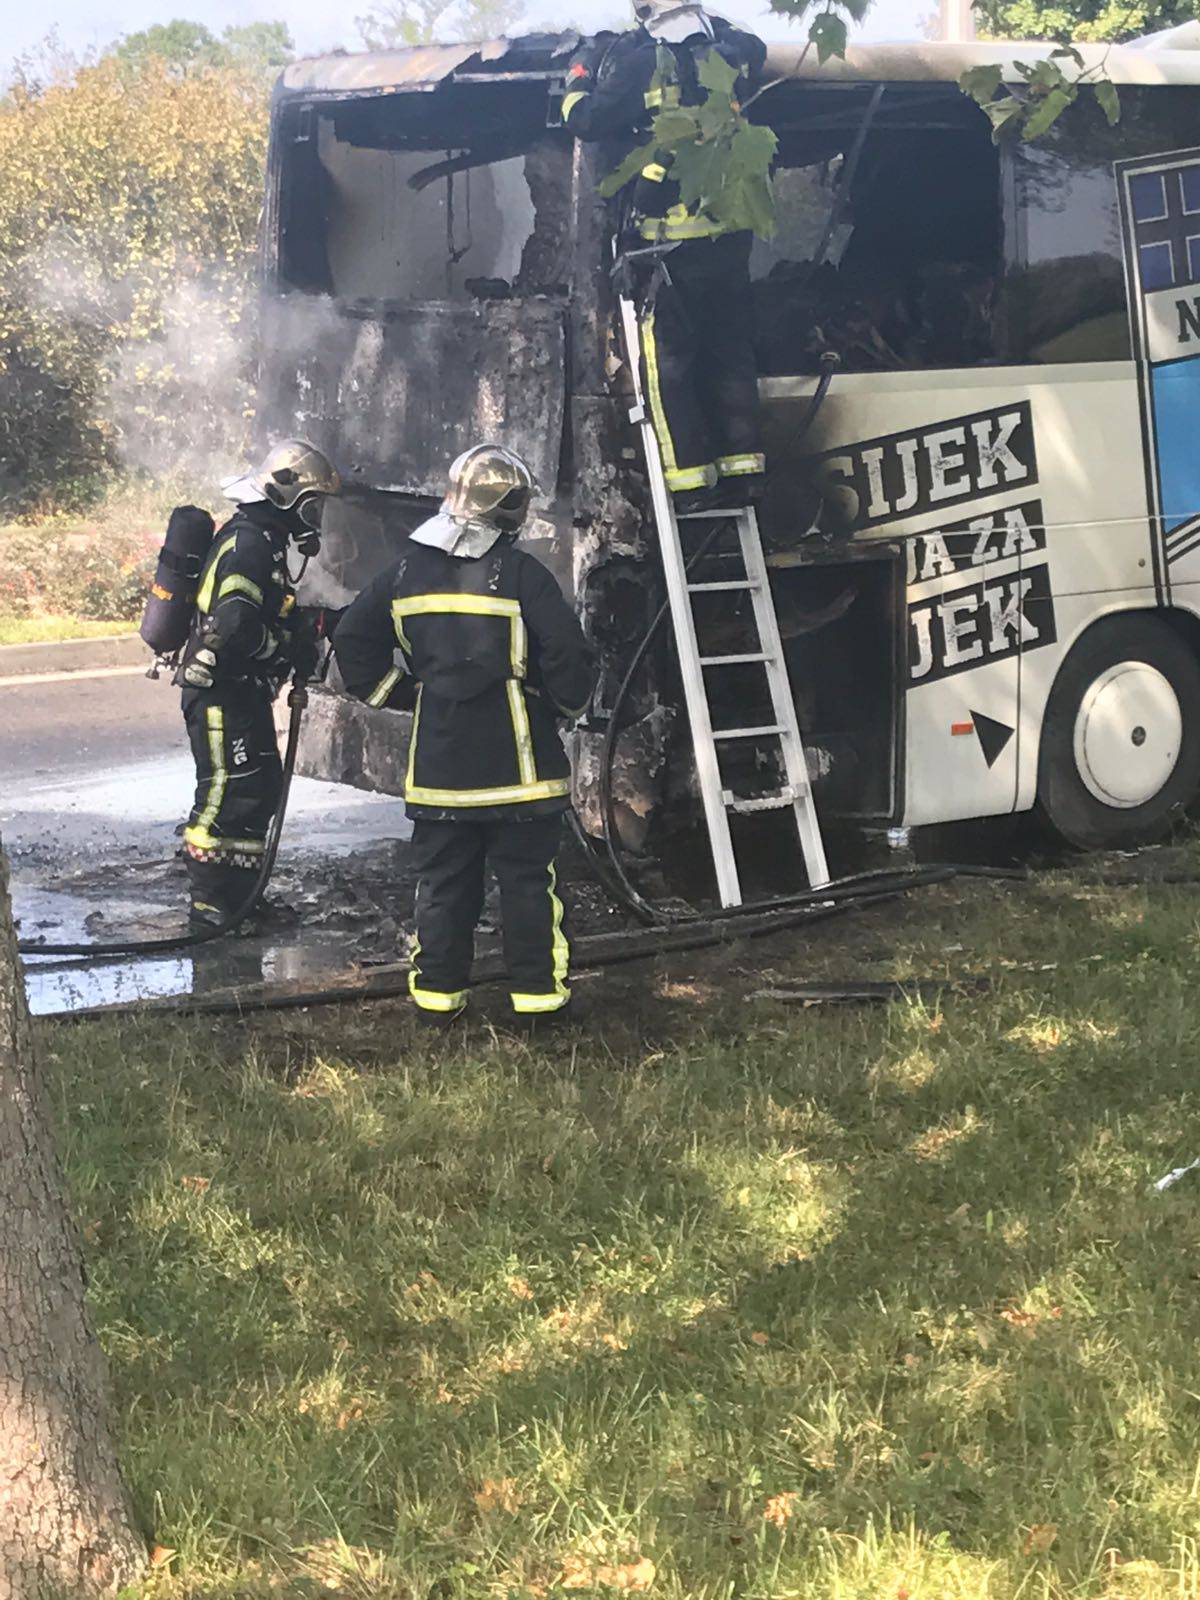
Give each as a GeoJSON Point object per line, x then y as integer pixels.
{"type": "Point", "coordinates": [615, 88]}
{"type": "Point", "coordinates": [491, 657]}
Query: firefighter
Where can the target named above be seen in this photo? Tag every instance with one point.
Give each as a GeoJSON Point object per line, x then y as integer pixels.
{"type": "Point", "coordinates": [700, 375]}
{"type": "Point", "coordinates": [245, 640]}
{"type": "Point", "coordinates": [492, 658]}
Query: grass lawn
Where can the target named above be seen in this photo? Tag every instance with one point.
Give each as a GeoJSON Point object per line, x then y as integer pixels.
{"type": "Point", "coordinates": [50, 629]}
{"type": "Point", "coordinates": [722, 1298]}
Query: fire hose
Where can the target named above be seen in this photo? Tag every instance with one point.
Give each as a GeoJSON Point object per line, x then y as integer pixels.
{"type": "Point", "coordinates": [297, 702]}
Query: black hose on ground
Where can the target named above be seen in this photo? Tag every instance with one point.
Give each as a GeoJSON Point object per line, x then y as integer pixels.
{"type": "Point", "coordinates": [297, 702]}
{"type": "Point", "coordinates": [590, 950]}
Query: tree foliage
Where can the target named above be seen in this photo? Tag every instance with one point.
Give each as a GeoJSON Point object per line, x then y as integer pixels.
{"type": "Point", "coordinates": [124, 192]}
{"type": "Point", "coordinates": [391, 24]}
{"type": "Point", "coordinates": [1080, 21]}
{"type": "Point", "coordinates": [259, 49]}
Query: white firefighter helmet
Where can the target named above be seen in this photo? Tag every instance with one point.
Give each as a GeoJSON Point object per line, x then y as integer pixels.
{"type": "Point", "coordinates": [487, 496]}
{"type": "Point", "coordinates": [672, 21]}
{"type": "Point", "coordinates": [294, 476]}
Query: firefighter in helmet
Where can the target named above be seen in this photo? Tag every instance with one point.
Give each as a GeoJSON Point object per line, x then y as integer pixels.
{"type": "Point", "coordinates": [693, 274]}
{"type": "Point", "coordinates": [475, 634]}
{"type": "Point", "coordinates": [245, 640]}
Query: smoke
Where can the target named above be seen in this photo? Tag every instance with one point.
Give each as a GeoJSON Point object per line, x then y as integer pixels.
{"type": "Point", "coordinates": [170, 350]}
{"type": "Point", "coordinates": [180, 404]}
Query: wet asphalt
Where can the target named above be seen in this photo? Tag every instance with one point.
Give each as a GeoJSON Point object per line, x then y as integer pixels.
{"type": "Point", "coordinates": [95, 777]}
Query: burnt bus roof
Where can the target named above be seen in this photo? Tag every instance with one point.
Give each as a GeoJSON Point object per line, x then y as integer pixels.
{"type": "Point", "coordinates": [1171, 56]}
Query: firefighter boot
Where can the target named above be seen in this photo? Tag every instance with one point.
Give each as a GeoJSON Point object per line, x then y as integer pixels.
{"type": "Point", "coordinates": [218, 893]}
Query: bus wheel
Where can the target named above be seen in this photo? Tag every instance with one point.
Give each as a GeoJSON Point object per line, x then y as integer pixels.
{"type": "Point", "coordinates": [1120, 751]}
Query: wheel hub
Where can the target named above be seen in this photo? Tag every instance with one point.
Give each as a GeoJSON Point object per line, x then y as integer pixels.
{"type": "Point", "coordinates": [1127, 734]}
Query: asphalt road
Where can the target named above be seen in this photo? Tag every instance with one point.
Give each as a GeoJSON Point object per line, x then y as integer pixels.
{"type": "Point", "coordinates": [98, 764]}
{"type": "Point", "coordinates": [85, 725]}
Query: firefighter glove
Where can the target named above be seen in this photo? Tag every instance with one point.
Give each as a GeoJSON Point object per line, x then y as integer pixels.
{"type": "Point", "coordinates": [302, 649]}
{"type": "Point", "coordinates": [201, 669]}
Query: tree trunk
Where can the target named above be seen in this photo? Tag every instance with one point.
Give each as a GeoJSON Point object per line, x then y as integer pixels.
{"type": "Point", "coordinates": [66, 1525]}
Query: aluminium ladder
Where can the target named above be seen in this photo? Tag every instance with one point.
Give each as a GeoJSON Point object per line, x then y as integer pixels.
{"type": "Point", "coordinates": [718, 800]}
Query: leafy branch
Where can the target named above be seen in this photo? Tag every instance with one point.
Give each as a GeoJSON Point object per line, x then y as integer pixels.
{"type": "Point", "coordinates": [828, 26]}
{"type": "Point", "coordinates": [1048, 91]}
{"type": "Point", "coordinates": [720, 160]}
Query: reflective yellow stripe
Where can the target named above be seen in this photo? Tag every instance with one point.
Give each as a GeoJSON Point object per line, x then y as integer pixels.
{"type": "Point", "coordinates": [203, 840]}
{"type": "Point", "coordinates": [734, 466]}
{"type": "Point", "coordinates": [529, 1004]}
{"type": "Point", "coordinates": [204, 598]}
{"type": "Point", "coordinates": [466, 605]}
{"type": "Point", "coordinates": [477, 605]}
{"type": "Point", "coordinates": [661, 427]}
{"type": "Point", "coordinates": [524, 739]}
{"type": "Point", "coordinates": [215, 718]}
{"type": "Point", "coordinates": [513, 794]}
{"type": "Point", "coordinates": [435, 999]}
{"type": "Point", "coordinates": [655, 228]}
{"type": "Point", "coordinates": [410, 780]}
{"type": "Point", "coordinates": [432, 999]}
{"type": "Point", "coordinates": [655, 172]}
{"type": "Point", "coordinates": [570, 101]}
{"type": "Point", "coordinates": [236, 584]}
{"type": "Point", "coordinates": [384, 687]}
{"type": "Point", "coordinates": [679, 478]}
{"type": "Point", "coordinates": [663, 95]}
{"type": "Point", "coordinates": [558, 940]}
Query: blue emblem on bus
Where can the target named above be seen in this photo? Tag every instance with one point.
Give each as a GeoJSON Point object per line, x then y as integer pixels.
{"type": "Point", "coordinates": [1160, 212]}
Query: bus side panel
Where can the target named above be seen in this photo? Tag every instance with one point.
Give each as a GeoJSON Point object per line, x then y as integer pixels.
{"type": "Point", "coordinates": [1014, 489]}
{"type": "Point", "coordinates": [1098, 556]}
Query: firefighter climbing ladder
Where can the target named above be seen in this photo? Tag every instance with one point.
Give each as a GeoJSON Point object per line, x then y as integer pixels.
{"type": "Point", "coordinates": [719, 801]}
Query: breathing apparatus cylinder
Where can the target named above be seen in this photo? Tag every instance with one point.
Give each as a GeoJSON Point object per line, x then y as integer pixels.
{"type": "Point", "coordinates": [172, 599]}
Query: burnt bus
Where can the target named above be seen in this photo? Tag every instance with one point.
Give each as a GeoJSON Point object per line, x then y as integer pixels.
{"type": "Point", "coordinates": [984, 543]}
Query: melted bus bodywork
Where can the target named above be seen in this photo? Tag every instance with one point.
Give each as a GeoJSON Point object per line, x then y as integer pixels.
{"type": "Point", "coordinates": [998, 467]}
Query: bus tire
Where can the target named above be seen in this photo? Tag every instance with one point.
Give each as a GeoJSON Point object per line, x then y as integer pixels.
{"type": "Point", "coordinates": [1120, 748]}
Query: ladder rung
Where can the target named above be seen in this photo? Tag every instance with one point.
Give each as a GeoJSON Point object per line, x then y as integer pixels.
{"type": "Point", "coordinates": [729, 513]}
{"type": "Point", "coordinates": [762, 802]}
{"type": "Point", "coordinates": [724, 583]}
{"type": "Point", "coordinates": [733, 661]}
{"type": "Point", "coordinates": [747, 733]}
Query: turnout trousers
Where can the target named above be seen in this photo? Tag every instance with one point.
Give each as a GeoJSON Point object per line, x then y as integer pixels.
{"type": "Point", "coordinates": [239, 777]}
{"type": "Point", "coordinates": [701, 377]}
{"type": "Point", "coordinates": [450, 858]}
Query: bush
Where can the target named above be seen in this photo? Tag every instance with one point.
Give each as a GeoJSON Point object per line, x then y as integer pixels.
{"type": "Point", "coordinates": [81, 571]}
{"type": "Point", "coordinates": [129, 199]}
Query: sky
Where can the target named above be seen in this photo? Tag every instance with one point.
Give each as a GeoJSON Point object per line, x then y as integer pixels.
{"type": "Point", "coordinates": [84, 24]}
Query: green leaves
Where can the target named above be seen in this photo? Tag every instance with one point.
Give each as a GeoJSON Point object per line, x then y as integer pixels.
{"type": "Point", "coordinates": [628, 169]}
{"type": "Point", "coordinates": [828, 33]}
{"type": "Point", "coordinates": [981, 83]}
{"type": "Point", "coordinates": [856, 10]}
{"type": "Point", "coordinates": [1109, 101]}
{"type": "Point", "coordinates": [1047, 112]}
{"type": "Point", "coordinates": [717, 76]}
{"type": "Point", "coordinates": [1048, 92]}
{"type": "Point", "coordinates": [720, 160]}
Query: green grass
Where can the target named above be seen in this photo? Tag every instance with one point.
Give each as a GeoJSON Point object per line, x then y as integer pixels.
{"type": "Point", "coordinates": [51, 629]}
{"type": "Point", "coordinates": [835, 1304]}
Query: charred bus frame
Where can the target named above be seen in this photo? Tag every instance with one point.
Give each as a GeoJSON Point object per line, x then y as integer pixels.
{"type": "Point", "coordinates": [981, 493]}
